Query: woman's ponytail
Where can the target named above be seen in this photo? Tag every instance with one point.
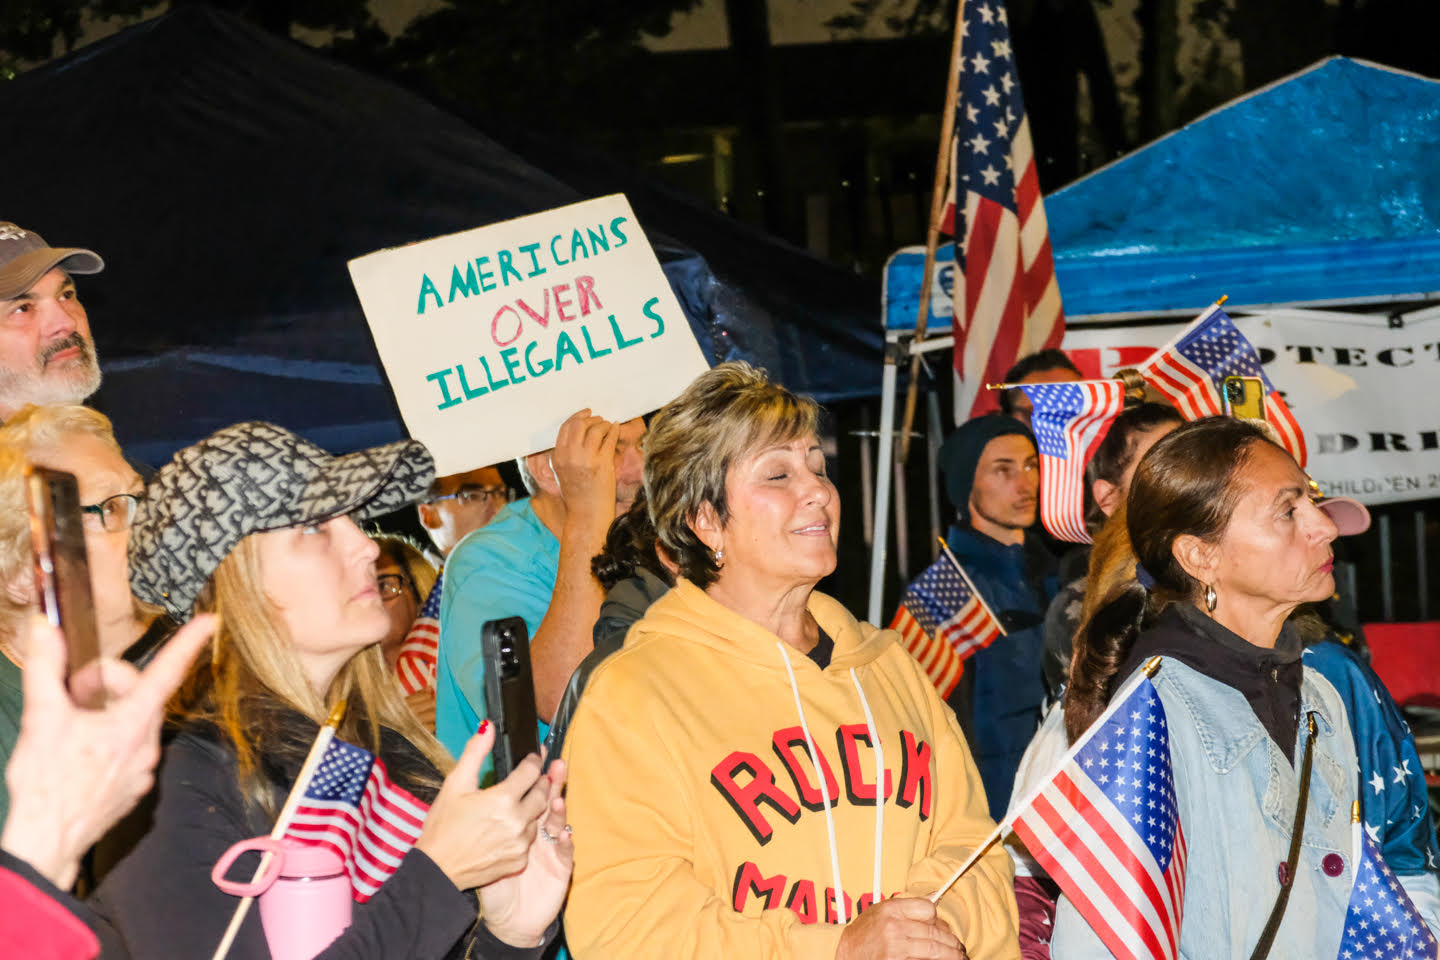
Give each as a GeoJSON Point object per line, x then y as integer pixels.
{"type": "Point", "coordinates": [1101, 645]}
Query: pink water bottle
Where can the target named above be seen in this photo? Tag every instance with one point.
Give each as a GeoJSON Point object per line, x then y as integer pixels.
{"type": "Point", "coordinates": [304, 894]}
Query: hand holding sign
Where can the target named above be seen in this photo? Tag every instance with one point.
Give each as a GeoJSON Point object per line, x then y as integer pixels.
{"type": "Point", "coordinates": [584, 465]}
{"type": "Point", "coordinates": [492, 337]}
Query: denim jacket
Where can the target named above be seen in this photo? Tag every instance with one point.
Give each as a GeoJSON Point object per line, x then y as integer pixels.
{"type": "Point", "coordinates": [1237, 795]}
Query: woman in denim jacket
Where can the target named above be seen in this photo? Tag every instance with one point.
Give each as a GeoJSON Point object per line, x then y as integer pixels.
{"type": "Point", "coordinates": [1229, 544]}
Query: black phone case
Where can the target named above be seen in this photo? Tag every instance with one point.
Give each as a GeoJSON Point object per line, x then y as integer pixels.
{"type": "Point", "coordinates": [509, 692]}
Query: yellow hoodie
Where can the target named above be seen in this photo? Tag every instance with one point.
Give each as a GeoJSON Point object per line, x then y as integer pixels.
{"type": "Point", "coordinates": [700, 823]}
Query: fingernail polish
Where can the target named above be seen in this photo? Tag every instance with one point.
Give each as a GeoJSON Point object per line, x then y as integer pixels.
{"type": "Point", "coordinates": [484, 725]}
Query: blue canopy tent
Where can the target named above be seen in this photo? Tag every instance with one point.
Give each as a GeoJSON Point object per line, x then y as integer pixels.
{"type": "Point", "coordinates": [1321, 189]}
{"type": "Point", "coordinates": [227, 175]}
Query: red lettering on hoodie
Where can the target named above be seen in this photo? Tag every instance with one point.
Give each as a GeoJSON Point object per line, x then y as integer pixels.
{"type": "Point", "coordinates": [760, 789]}
{"type": "Point", "coordinates": [860, 791]}
{"type": "Point", "coordinates": [802, 901]}
{"type": "Point", "coordinates": [749, 879]}
{"type": "Point", "coordinates": [790, 747]}
{"type": "Point", "coordinates": [830, 915]}
{"type": "Point", "coordinates": [915, 773]}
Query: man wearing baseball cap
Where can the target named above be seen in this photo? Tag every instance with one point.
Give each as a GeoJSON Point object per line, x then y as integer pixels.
{"type": "Point", "coordinates": [46, 353]}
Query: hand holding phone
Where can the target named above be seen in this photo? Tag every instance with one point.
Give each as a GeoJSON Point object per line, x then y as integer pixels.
{"type": "Point", "coordinates": [62, 577]}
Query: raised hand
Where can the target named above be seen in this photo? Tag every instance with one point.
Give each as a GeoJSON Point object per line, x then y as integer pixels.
{"type": "Point", "coordinates": [74, 771]}
{"type": "Point", "coordinates": [520, 907]}
{"type": "Point", "coordinates": [477, 836]}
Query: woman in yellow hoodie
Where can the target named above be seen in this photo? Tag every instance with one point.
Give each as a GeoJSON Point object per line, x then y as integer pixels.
{"type": "Point", "coordinates": [756, 774]}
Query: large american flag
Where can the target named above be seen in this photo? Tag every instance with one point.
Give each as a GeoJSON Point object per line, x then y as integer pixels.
{"type": "Point", "coordinates": [352, 807]}
{"type": "Point", "coordinates": [420, 651]}
{"type": "Point", "coordinates": [1070, 420]}
{"type": "Point", "coordinates": [1007, 301]}
{"type": "Point", "coordinates": [1381, 923]}
{"type": "Point", "coordinates": [1106, 828]}
{"type": "Point", "coordinates": [1191, 370]}
{"type": "Point", "coordinates": [942, 621]}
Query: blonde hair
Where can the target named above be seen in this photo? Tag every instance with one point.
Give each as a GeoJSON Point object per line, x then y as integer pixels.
{"type": "Point", "coordinates": [725, 414]}
{"type": "Point", "coordinates": [250, 669]}
{"type": "Point", "coordinates": [34, 427]}
{"type": "Point", "coordinates": [31, 429]}
{"type": "Point", "coordinates": [406, 554]}
{"type": "Point", "coordinates": [16, 554]}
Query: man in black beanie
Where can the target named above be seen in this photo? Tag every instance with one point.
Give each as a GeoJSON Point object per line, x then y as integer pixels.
{"type": "Point", "coordinates": [992, 477]}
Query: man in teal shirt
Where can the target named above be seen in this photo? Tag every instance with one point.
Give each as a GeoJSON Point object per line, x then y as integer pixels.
{"type": "Point", "coordinates": [533, 561]}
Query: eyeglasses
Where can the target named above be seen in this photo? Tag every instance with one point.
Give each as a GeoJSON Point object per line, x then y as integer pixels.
{"type": "Point", "coordinates": [392, 585]}
{"type": "Point", "coordinates": [115, 513]}
{"type": "Point", "coordinates": [468, 495]}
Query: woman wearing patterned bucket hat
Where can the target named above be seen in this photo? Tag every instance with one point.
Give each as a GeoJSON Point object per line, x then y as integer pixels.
{"type": "Point", "coordinates": [260, 526]}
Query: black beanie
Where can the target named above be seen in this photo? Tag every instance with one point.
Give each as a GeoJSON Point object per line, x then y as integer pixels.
{"type": "Point", "coordinates": [960, 455]}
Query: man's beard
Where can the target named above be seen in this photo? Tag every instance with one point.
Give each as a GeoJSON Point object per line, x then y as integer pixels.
{"type": "Point", "coordinates": [72, 384]}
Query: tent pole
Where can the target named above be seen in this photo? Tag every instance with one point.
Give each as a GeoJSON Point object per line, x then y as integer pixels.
{"type": "Point", "coordinates": [932, 233]}
{"type": "Point", "coordinates": [883, 460]}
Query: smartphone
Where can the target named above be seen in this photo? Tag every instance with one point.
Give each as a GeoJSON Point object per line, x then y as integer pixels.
{"type": "Point", "coordinates": [62, 576]}
{"type": "Point", "coordinates": [1245, 397]}
{"type": "Point", "coordinates": [509, 693]}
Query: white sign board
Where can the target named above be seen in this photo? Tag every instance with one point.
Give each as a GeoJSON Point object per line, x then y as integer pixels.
{"type": "Point", "coordinates": [492, 337]}
{"type": "Point", "coordinates": [1364, 393]}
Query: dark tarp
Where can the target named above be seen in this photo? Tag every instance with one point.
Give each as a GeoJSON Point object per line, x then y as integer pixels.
{"type": "Point", "coordinates": [226, 176]}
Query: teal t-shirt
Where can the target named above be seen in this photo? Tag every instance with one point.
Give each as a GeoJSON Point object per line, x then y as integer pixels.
{"type": "Point", "coordinates": [11, 702]}
{"type": "Point", "coordinates": [507, 568]}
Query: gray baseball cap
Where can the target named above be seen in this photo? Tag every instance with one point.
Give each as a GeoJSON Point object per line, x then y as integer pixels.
{"type": "Point", "coordinates": [25, 257]}
{"type": "Point", "coordinates": [250, 478]}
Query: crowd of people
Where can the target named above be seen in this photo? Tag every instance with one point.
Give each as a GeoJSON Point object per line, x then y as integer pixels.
{"type": "Point", "coordinates": [734, 765]}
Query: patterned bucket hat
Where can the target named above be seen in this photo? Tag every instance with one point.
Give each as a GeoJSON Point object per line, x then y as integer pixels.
{"type": "Point", "coordinates": [250, 478]}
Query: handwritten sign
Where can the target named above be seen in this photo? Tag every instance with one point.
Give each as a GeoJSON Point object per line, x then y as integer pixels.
{"type": "Point", "coordinates": [492, 337]}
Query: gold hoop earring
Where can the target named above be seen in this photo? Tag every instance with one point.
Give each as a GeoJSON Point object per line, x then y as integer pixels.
{"type": "Point", "coordinates": [1210, 598]}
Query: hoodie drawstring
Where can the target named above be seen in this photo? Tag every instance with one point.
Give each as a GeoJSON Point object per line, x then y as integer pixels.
{"type": "Point", "coordinates": [824, 787]}
{"type": "Point", "coordinates": [879, 781]}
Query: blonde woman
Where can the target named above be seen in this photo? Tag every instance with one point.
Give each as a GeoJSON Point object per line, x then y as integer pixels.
{"type": "Point", "coordinates": [755, 773]}
{"type": "Point", "coordinates": [79, 441]}
{"type": "Point", "coordinates": [259, 526]}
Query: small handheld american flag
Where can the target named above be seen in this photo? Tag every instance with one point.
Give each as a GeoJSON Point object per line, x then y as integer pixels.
{"type": "Point", "coordinates": [1380, 921]}
{"type": "Point", "coordinates": [1106, 828]}
{"type": "Point", "coordinates": [352, 807]}
{"type": "Point", "coordinates": [943, 620]}
{"type": "Point", "coordinates": [1191, 369]}
{"type": "Point", "coordinates": [1070, 420]}
{"type": "Point", "coordinates": [420, 651]}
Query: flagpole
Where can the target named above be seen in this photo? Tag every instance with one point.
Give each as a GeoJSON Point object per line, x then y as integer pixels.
{"type": "Point", "coordinates": [1003, 827]}
{"type": "Point", "coordinates": [971, 584]}
{"type": "Point", "coordinates": [932, 233]}
{"type": "Point", "coordinates": [287, 813]}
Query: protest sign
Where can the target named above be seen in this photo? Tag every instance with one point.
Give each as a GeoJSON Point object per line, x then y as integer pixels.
{"type": "Point", "coordinates": [493, 336]}
{"type": "Point", "coordinates": [1365, 393]}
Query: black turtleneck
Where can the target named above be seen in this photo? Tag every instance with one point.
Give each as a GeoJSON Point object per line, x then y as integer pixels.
{"type": "Point", "coordinates": [1268, 678]}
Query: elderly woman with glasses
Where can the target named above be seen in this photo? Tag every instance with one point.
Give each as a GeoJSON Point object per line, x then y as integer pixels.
{"type": "Point", "coordinates": [79, 441]}
{"type": "Point", "coordinates": [755, 773]}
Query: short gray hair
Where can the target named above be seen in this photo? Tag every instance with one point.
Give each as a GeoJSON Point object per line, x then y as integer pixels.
{"type": "Point", "coordinates": [694, 440]}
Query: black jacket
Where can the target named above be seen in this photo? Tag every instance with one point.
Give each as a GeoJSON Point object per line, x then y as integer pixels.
{"type": "Point", "coordinates": [1269, 678]}
{"type": "Point", "coordinates": [159, 901]}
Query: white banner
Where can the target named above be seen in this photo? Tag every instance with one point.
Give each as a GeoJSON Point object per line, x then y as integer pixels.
{"type": "Point", "coordinates": [492, 337]}
{"type": "Point", "coordinates": [1366, 395]}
